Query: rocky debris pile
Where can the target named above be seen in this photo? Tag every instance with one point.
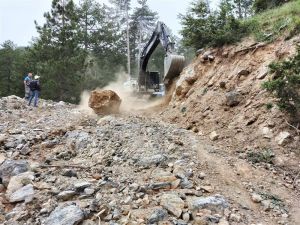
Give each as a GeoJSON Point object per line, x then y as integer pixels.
{"type": "Point", "coordinates": [114, 170]}
{"type": "Point", "coordinates": [104, 102]}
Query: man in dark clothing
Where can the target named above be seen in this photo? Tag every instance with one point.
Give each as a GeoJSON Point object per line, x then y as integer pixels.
{"type": "Point", "coordinates": [35, 89]}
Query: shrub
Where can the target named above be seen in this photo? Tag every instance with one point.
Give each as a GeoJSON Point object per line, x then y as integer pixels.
{"type": "Point", "coordinates": [262, 5]}
{"type": "Point", "coordinates": [286, 85]}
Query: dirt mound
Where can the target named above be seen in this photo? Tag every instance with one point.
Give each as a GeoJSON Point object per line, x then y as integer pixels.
{"type": "Point", "coordinates": [104, 102]}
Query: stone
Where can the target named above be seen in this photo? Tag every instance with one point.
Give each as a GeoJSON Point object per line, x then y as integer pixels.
{"type": "Point", "coordinates": [282, 138]}
{"type": "Point", "coordinates": [104, 102]}
{"type": "Point", "coordinates": [157, 215]}
{"type": "Point", "coordinates": [235, 217]}
{"type": "Point", "coordinates": [267, 132]}
{"type": "Point", "coordinates": [172, 203]}
{"type": "Point", "coordinates": [214, 136]}
{"type": "Point", "coordinates": [11, 168]}
{"type": "Point", "coordinates": [256, 198]}
{"type": "Point", "coordinates": [208, 188]}
{"type": "Point", "coordinates": [262, 75]}
{"type": "Point", "coordinates": [223, 222]}
{"type": "Point", "coordinates": [233, 99]}
{"type": "Point", "coordinates": [152, 160]}
{"type": "Point", "coordinates": [3, 138]}
{"type": "Point", "coordinates": [25, 193]}
{"type": "Point", "coordinates": [66, 195]}
{"type": "Point", "coordinates": [160, 175]}
{"type": "Point", "coordinates": [89, 191]}
{"type": "Point", "coordinates": [186, 217]}
{"type": "Point", "coordinates": [81, 185]}
{"type": "Point", "coordinates": [215, 202]}
{"type": "Point", "coordinates": [2, 158]}
{"type": "Point", "coordinates": [18, 181]}
{"type": "Point", "coordinates": [65, 215]}
{"type": "Point", "coordinates": [243, 72]}
{"type": "Point", "coordinates": [69, 173]}
{"type": "Point", "coordinates": [89, 222]}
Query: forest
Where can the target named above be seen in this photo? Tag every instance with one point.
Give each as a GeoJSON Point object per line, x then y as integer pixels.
{"type": "Point", "coordinates": [84, 46]}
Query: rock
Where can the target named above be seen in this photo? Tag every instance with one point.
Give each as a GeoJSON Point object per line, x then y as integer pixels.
{"type": "Point", "coordinates": [104, 102]}
{"type": "Point", "coordinates": [208, 188]}
{"type": "Point", "coordinates": [68, 215]}
{"type": "Point", "coordinates": [222, 85]}
{"type": "Point", "coordinates": [282, 138]}
{"type": "Point", "coordinates": [262, 75]}
{"type": "Point", "coordinates": [25, 193]}
{"type": "Point", "coordinates": [18, 181]}
{"type": "Point", "coordinates": [266, 204]}
{"type": "Point", "coordinates": [233, 98]}
{"type": "Point", "coordinates": [223, 222]}
{"type": "Point", "coordinates": [152, 160]}
{"type": "Point", "coordinates": [243, 72]}
{"type": "Point", "coordinates": [267, 132]}
{"type": "Point", "coordinates": [11, 168]}
{"type": "Point", "coordinates": [215, 202]}
{"type": "Point", "coordinates": [173, 204]}
{"type": "Point", "coordinates": [3, 138]}
{"type": "Point", "coordinates": [66, 195]}
{"type": "Point", "coordinates": [235, 217]}
{"type": "Point", "coordinates": [89, 191]}
{"type": "Point", "coordinates": [214, 136]}
{"type": "Point", "coordinates": [256, 198]}
{"type": "Point", "coordinates": [186, 184]}
{"type": "Point", "coordinates": [89, 222]}
{"type": "Point", "coordinates": [2, 158]}
{"type": "Point", "coordinates": [70, 173]}
{"type": "Point", "coordinates": [157, 215]}
{"type": "Point", "coordinates": [81, 185]}
{"type": "Point", "coordinates": [186, 217]}
{"type": "Point", "coordinates": [160, 175]}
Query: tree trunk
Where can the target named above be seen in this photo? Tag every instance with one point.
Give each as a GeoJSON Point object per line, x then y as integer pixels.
{"type": "Point", "coordinates": [128, 43]}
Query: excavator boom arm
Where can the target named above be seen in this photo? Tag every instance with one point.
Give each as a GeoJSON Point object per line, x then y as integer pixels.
{"type": "Point", "coordinates": [173, 63]}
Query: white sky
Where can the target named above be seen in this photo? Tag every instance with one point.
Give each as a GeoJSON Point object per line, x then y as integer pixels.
{"type": "Point", "coordinates": [17, 16]}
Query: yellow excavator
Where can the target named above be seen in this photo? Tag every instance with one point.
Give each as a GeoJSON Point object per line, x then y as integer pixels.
{"type": "Point", "coordinates": [151, 82]}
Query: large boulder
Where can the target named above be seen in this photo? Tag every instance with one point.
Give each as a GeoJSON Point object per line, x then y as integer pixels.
{"type": "Point", "coordinates": [104, 102]}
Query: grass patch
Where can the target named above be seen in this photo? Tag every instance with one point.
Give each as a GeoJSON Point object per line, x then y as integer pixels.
{"type": "Point", "coordinates": [271, 24]}
{"type": "Point", "coordinates": [266, 156]}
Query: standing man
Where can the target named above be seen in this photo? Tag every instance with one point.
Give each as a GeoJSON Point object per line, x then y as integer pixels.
{"type": "Point", "coordinates": [27, 80]}
{"type": "Point", "coordinates": [35, 90]}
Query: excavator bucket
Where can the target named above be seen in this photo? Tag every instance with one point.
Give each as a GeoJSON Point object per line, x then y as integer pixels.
{"type": "Point", "coordinates": [174, 65]}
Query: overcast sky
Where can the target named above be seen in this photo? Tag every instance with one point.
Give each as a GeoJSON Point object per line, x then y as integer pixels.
{"type": "Point", "coordinates": [17, 16]}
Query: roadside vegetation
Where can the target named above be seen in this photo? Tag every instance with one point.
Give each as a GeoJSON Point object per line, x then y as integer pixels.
{"type": "Point", "coordinates": [235, 19]}
{"type": "Point", "coordinates": [285, 85]}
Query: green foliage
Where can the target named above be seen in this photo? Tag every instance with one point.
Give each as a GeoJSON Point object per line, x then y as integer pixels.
{"type": "Point", "coordinates": [286, 85]}
{"type": "Point", "coordinates": [262, 5]}
{"type": "Point", "coordinates": [269, 106]}
{"type": "Point", "coordinates": [14, 63]}
{"type": "Point", "coordinates": [266, 156]}
{"type": "Point", "coordinates": [277, 22]}
{"type": "Point", "coordinates": [203, 27]}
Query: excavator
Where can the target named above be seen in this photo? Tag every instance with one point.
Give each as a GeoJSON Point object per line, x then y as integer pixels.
{"type": "Point", "coordinates": [150, 82]}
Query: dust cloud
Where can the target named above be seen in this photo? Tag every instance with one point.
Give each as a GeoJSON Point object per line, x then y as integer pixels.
{"type": "Point", "coordinates": [130, 100]}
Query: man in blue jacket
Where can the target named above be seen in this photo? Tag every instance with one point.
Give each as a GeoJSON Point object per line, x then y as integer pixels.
{"type": "Point", "coordinates": [27, 80]}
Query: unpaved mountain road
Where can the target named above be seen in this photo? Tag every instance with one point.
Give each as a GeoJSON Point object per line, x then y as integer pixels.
{"type": "Point", "coordinates": [59, 165]}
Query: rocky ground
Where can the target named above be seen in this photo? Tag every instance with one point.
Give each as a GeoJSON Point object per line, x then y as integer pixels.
{"type": "Point", "coordinates": [60, 166]}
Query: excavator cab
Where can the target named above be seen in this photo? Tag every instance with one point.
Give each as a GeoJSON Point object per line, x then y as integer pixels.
{"type": "Point", "coordinates": [152, 82]}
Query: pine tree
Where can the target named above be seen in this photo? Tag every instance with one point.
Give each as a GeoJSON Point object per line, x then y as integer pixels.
{"type": "Point", "coordinates": [60, 58]}
{"type": "Point", "coordinates": [7, 60]}
{"type": "Point", "coordinates": [243, 8]}
{"type": "Point", "coordinates": [142, 25]}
